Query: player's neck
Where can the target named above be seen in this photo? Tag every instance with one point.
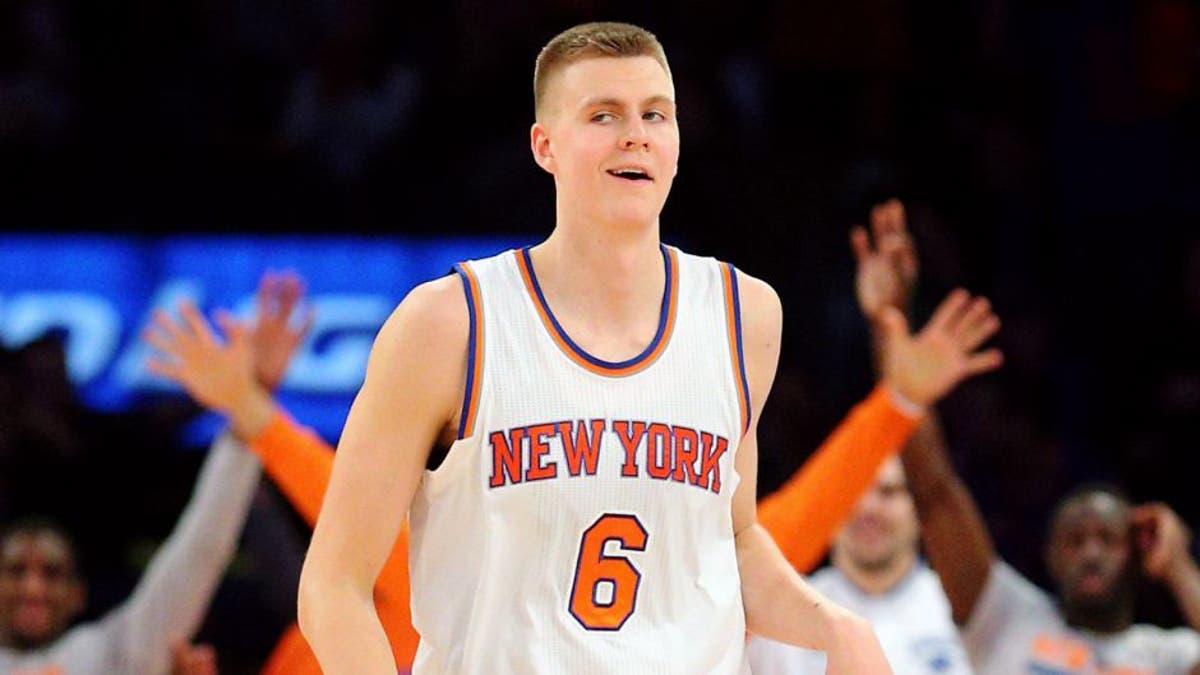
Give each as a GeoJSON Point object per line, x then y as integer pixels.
{"type": "Point", "coordinates": [606, 291]}
{"type": "Point", "coordinates": [876, 579]}
{"type": "Point", "coordinates": [618, 265]}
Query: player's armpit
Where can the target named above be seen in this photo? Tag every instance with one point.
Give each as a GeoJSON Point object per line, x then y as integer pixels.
{"type": "Point", "coordinates": [762, 325]}
{"type": "Point", "coordinates": [408, 402]}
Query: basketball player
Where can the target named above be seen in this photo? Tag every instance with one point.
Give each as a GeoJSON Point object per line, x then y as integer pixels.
{"type": "Point", "coordinates": [877, 571]}
{"type": "Point", "coordinates": [594, 511]}
{"type": "Point", "coordinates": [803, 514]}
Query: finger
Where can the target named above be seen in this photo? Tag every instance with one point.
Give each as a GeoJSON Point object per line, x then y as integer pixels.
{"type": "Point", "coordinates": [159, 341]}
{"type": "Point", "coordinates": [235, 331]}
{"type": "Point", "coordinates": [168, 369]}
{"type": "Point", "coordinates": [274, 291]}
{"type": "Point", "coordinates": [196, 322]}
{"type": "Point", "coordinates": [947, 312]}
{"type": "Point", "coordinates": [879, 224]}
{"type": "Point", "coordinates": [172, 328]}
{"type": "Point", "coordinates": [860, 243]}
{"type": "Point", "coordinates": [306, 324]}
{"type": "Point", "coordinates": [896, 222]}
{"type": "Point", "coordinates": [984, 362]}
{"type": "Point", "coordinates": [1155, 560]}
{"type": "Point", "coordinates": [290, 293]}
{"type": "Point", "coordinates": [976, 324]}
{"type": "Point", "coordinates": [891, 245]}
{"type": "Point", "coordinates": [980, 333]}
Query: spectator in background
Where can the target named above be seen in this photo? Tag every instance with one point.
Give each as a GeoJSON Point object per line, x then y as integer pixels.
{"type": "Point", "coordinates": [42, 591]}
{"type": "Point", "coordinates": [1098, 544]}
{"type": "Point", "coordinates": [877, 571]}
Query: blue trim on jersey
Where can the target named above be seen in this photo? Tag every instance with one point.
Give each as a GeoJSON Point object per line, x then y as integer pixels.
{"type": "Point", "coordinates": [471, 375]}
{"type": "Point", "coordinates": [737, 325]}
{"type": "Point", "coordinates": [601, 363]}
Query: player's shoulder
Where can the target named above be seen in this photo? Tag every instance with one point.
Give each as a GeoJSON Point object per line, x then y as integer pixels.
{"type": "Point", "coordinates": [755, 296]}
{"type": "Point", "coordinates": [758, 296]}
{"type": "Point", "coordinates": [433, 315]}
{"type": "Point", "coordinates": [758, 304]}
{"type": "Point", "coordinates": [441, 302]}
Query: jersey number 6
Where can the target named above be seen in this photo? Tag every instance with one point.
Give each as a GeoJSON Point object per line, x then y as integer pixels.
{"type": "Point", "coordinates": [605, 589]}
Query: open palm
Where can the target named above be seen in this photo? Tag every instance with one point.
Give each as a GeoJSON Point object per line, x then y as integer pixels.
{"type": "Point", "coordinates": [924, 367]}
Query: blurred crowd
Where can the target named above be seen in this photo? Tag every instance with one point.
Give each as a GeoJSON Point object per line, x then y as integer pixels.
{"type": "Point", "coordinates": [1047, 153]}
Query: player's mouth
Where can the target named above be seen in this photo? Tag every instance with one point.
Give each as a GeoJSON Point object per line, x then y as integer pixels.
{"type": "Point", "coordinates": [631, 173]}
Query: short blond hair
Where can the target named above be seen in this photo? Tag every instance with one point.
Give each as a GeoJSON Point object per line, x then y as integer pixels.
{"type": "Point", "coordinates": [589, 41]}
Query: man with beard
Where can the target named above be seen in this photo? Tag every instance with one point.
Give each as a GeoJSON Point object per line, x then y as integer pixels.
{"type": "Point", "coordinates": [1096, 536]}
{"type": "Point", "coordinates": [1097, 542]}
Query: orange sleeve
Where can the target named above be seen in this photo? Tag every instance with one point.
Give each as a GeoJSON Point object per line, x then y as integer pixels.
{"type": "Point", "coordinates": [298, 460]}
{"type": "Point", "coordinates": [301, 462]}
{"type": "Point", "coordinates": [805, 513]}
{"type": "Point", "coordinates": [291, 656]}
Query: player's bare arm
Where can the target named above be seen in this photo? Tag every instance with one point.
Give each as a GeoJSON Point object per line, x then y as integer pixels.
{"type": "Point", "coordinates": [956, 539]}
{"type": "Point", "coordinates": [407, 404]}
{"type": "Point", "coordinates": [778, 603]}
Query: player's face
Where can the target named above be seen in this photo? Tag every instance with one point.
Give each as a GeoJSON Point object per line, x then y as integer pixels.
{"type": "Point", "coordinates": [1090, 551]}
{"type": "Point", "coordinates": [39, 591]}
{"type": "Point", "coordinates": [612, 141]}
{"type": "Point", "coordinates": [883, 528]}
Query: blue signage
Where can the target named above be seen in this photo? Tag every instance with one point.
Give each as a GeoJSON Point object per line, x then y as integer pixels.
{"type": "Point", "coordinates": [100, 291]}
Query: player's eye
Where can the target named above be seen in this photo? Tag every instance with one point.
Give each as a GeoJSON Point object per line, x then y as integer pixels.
{"type": "Point", "coordinates": [603, 117]}
{"type": "Point", "coordinates": [654, 116]}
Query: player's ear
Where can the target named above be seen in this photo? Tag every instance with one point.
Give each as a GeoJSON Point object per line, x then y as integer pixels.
{"type": "Point", "coordinates": [539, 143]}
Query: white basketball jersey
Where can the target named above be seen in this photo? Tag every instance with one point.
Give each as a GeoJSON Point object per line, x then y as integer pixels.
{"type": "Point", "coordinates": [581, 523]}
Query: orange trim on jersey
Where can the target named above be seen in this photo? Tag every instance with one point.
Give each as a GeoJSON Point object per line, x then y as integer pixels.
{"type": "Point", "coordinates": [575, 352]}
{"type": "Point", "coordinates": [466, 425]}
{"type": "Point", "coordinates": [733, 322]}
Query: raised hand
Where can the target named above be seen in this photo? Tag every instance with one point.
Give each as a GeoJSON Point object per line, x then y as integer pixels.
{"type": "Point", "coordinates": [275, 335]}
{"type": "Point", "coordinates": [886, 261]}
{"type": "Point", "coordinates": [1162, 538]}
{"type": "Point", "coordinates": [218, 374]}
{"type": "Point", "coordinates": [926, 366]}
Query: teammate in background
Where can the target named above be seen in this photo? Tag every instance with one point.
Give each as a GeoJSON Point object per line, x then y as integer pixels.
{"type": "Point", "coordinates": [42, 591]}
{"type": "Point", "coordinates": [237, 383]}
{"type": "Point", "coordinates": [876, 567]}
{"type": "Point", "coordinates": [598, 395]}
{"type": "Point", "coordinates": [1097, 543]}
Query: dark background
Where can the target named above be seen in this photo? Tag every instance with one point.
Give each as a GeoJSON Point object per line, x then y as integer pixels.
{"type": "Point", "coordinates": [1047, 152]}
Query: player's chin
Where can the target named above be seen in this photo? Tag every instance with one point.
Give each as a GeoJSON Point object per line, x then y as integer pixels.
{"type": "Point", "coordinates": [635, 212]}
